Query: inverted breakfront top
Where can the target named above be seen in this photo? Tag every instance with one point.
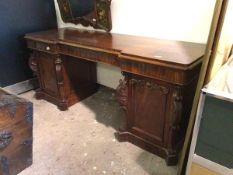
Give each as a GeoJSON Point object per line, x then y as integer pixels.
{"type": "Point", "coordinates": [150, 49]}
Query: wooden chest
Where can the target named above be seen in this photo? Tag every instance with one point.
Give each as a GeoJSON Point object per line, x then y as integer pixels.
{"type": "Point", "coordinates": [15, 134]}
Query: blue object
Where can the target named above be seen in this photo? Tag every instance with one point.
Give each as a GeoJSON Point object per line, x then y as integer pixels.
{"type": "Point", "coordinates": [18, 17]}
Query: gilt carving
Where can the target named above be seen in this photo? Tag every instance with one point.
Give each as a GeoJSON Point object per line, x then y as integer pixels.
{"type": "Point", "coordinates": [104, 14]}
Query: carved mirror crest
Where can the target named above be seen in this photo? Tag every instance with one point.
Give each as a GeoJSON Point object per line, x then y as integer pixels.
{"type": "Point", "coordinates": [95, 13]}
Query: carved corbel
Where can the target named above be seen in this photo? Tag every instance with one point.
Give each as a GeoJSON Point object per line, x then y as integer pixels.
{"type": "Point", "coordinates": [122, 94]}
{"type": "Point", "coordinates": [60, 83]}
{"type": "Point", "coordinates": [175, 118]}
{"type": "Point", "coordinates": [32, 63]}
{"type": "Point", "coordinates": [122, 97]}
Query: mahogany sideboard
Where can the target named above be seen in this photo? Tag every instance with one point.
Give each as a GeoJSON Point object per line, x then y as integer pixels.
{"type": "Point", "coordinates": [160, 78]}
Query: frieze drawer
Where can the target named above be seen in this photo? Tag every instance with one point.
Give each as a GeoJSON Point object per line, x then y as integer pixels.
{"type": "Point", "coordinates": [90, 54]}
{"type": "Point", "coordinates": [41, 46]}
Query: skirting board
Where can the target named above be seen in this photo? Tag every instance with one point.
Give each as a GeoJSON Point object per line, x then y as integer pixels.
{"type": "Point", "coordinates": [212, 165]}
{"type": "Point", "coordinates": [22, 87]}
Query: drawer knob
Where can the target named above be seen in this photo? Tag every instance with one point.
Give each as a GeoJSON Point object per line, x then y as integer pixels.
{"type": "Point", "coordinates": [47, 48]}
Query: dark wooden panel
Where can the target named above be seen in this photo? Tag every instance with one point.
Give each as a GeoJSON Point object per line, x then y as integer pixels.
{"type": "Point", "coordinates": [81, 73]}
{"type": "Point", "coordinates": [79, 79]}
{"type": "Point", "coordinates": [47, 73]}
{"type": "Point", "coordinates": [147, 108]}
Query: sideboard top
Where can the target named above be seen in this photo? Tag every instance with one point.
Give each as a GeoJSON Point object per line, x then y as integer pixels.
{"type": "Point", "coordinates": [150, 49]}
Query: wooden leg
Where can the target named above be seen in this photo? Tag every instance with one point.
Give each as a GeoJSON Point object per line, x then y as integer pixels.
{"type": "Point", "coordinates": [39, 94]}
{"type": "Point", "coordinates": [171, 159]}
{"type": "Point", "coordinates": [63, 106]}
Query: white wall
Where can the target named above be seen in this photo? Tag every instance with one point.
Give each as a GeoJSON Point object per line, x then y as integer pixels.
{"type": "Point", "coordinates": [187, 20]}
{"type": "Point", "coordinates": [224, 45]}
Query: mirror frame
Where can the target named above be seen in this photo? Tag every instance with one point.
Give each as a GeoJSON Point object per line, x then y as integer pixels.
{"type": "Point", "coordinates": [99, 18]}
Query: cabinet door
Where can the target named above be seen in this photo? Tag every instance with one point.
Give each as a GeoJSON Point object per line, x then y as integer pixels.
{"type": "Point", "coordinates": [47, 73]}
{"type": "Point", "coordinates": [147, 109]}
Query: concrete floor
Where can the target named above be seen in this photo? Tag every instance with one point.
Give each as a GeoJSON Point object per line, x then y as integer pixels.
{"type": "Point", "coordinates": [81, 141]}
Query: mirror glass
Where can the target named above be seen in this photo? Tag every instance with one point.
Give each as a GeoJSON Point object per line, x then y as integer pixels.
{"type": "Point", "coordinates": [81, 8]}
